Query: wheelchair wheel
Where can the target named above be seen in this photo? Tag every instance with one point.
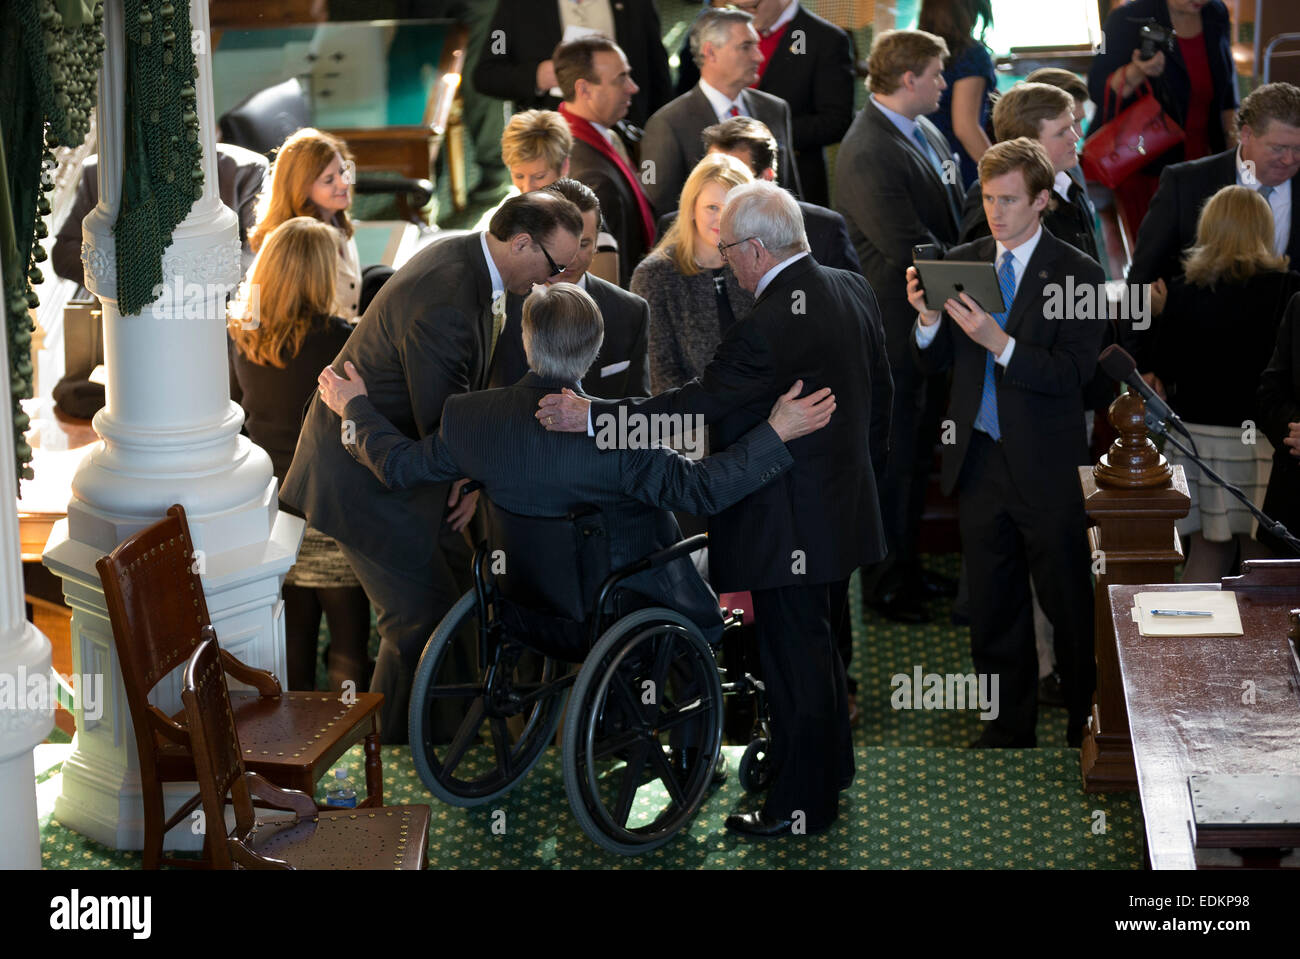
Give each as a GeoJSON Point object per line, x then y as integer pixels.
{"type": "Point", "coordinates": [471, 743]}
{"type": "Point", "coordinates": [755, 772]}
{"type": "Point", "coordinates": [643, 731]}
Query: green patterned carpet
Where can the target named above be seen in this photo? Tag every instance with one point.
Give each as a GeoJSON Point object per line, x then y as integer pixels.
{"type": "Point", "coordinates": [920, 800]}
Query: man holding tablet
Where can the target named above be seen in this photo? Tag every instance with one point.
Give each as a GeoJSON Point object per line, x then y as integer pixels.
{"type": "Point", "coordinates": [1017, 403]}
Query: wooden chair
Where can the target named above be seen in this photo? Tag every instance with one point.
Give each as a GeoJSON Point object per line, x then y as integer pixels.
{"type": "Point", "coordinates": [377, 838]}
{"type": "Point", "coordinates": [159, 617]}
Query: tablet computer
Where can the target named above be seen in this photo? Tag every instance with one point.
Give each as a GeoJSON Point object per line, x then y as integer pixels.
{"type": "Point", "coordinates": [947, 279]}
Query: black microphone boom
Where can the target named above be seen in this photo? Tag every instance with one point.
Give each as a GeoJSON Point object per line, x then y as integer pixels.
{"type": "Point", "coordinates": [1120, 366]}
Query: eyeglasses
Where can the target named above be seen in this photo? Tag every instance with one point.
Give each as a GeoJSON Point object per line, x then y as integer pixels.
{"type": "Point", "coordinates": [724, 247]}
{"type": "Point", "coordinates": [555, 268]}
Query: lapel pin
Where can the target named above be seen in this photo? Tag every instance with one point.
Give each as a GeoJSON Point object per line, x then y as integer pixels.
{"type": "Point", "coordinates": [1042, 274]}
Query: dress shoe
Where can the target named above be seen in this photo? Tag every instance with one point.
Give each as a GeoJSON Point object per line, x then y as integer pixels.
{"type": "Point", "coordinates": [937, 585]}
{"type": "Point", "coordinates": [759, 824]}
{"type": "Point", "coordinates": [1049, 691]}
{"type": "Point", "coordinates": [720, 769]}
{"type": "Point", "coordinates": [995, 739]}
{"type": "Point", "coordinates": [904, 606]}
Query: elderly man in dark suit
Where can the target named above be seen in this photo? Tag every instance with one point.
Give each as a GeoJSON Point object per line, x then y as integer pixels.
{"type": "Point", "coordinates": [808, 63]}
{"type": "Point", "coordinates": [1017, 402]}
{"type": "Point", "coordinates": [517, 63]}
{"type": "Point", "coordinates": [794, 543]}
{"type": "Point", "coordinates": [622, 367]}
{"type": "Point", "coordinates": [1267, 159]}
{"type": "Point", "coordinates": [598, 86]}
{"type": "Point", "coordinates": [494, 438]}
{"type": "Point", "coordinates": [752, 143]}
{"type": "Point", "coordinates": [725, 46]}
{"type": "Point", "coordinates": [427, 335]}
{"type": "Point", "coordinates": [903, 192]}
{"type": "Point", "coordinates": [240, 174]}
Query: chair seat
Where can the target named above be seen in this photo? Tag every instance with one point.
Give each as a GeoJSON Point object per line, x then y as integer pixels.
{"type": "Point", "coordinates": [291, 738]}
{"type": "Point", "coordinates": [390, 837]}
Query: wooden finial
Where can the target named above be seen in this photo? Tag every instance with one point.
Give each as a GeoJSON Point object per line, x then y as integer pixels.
{"type": "Point", "coordinates": [1133, 462]}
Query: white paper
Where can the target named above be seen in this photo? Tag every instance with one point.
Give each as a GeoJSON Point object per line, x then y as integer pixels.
{"type": "Point", "coordinates": [614, 368]}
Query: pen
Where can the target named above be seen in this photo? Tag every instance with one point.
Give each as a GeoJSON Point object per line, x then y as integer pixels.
{"type": "Point", "coordinates": [1180, 612]}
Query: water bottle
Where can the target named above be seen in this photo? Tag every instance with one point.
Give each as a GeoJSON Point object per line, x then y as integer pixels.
{"type": "Point", "coordinates": [340, 792]}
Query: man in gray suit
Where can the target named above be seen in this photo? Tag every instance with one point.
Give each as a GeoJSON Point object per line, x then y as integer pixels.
{"type": "Point", "coordinates": [428, 334]}
{"type": "Point", "coordinates": [725, 46]}
{"type": "Point", "coordinates": [494, 438]}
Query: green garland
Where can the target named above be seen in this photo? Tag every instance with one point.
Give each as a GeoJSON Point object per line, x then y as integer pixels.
{"type": "Point", "coordinates": [162, 175]}
{"type": "Point", "coordinates": [47, 93]}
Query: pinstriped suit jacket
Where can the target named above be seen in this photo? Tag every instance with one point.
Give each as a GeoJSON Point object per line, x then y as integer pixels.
{"type": "Point", "coordinates": [493, 437]}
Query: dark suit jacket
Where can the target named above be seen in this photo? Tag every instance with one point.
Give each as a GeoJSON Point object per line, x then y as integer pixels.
{"type": "Point", "coordinates": [494, 438]}
{"type": "Point", "coordinates": [530, 32]}
{"type": "Point", "coordinates": [1174, 86]}
{"type": "Point", "coordinates": [621, 368]}
{"type": "Point", "coordinates": [240, 174]}
{"type": "Point", "coordinates": [821, 520]}
{"type": "Point", "coordinates": [424, 337]}
{"type": "Point", "coordinates": [828, 236]}
{"type": "Point", "coordinates": [1040, 392]}
{"type": "Point", "coordinates": [897, 201]}
{"type": "Point", "coordinates": [618, 204]}
{"type": "Point", "coordinates": [672, 141]}
{"type": "Point", "coordinates": [1279, 406]}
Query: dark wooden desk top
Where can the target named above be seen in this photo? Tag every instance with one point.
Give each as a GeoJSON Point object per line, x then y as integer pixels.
{"type": "Point", "coordinates": [1186, 713]}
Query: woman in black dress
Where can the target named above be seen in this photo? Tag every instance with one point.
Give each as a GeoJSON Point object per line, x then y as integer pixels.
{"type": "Point", "coordinates": [283, 333]}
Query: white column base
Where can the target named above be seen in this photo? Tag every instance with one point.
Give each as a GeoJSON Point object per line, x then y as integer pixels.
{"type": "Point", "coordinates": [101, 779]}
{"type": "Point", "coordinates": [22, 729]}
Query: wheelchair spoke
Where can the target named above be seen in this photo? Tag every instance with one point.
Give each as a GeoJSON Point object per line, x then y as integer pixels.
{"type": "Point", "coordinates": [663, 659]}
{"type": "Point", "coordinates": [634, 709]}
{"type": "Point", "coordinates": [607, 748]}
{"type": "Point", "coordinates": [665, 772]}
{"type": "Point", "coordinates": [464, 737]}
{"type": "Point", "coordinates": [679, 715]}
{"type": "Point", "coordinates": [456, 691]}
{"type": "Point", "coordinates": [501, 740]}
{"type": "Point", "coordinates": [632, 780]}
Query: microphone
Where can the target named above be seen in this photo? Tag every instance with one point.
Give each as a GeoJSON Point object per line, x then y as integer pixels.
{"type": "Point", "coordinates": [1120, 366]}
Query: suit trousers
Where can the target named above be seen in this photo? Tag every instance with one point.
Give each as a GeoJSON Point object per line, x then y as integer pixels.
{"type": "Point", "coordinates": [812, 747]}
{"type": "Point", "coordinates": [409, 603]}
{"type": "Point", "coordinates": [1005, 541]}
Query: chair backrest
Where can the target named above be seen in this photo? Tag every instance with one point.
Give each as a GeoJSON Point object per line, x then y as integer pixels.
{"type": "Point", "coordinates": [263, 121]}
{"type": "Point", "coordinates": [158, 613]}
{"type": "Point", "coordinates": [550, 564]}
{"type": "Point", "coordinates": [215, 746]}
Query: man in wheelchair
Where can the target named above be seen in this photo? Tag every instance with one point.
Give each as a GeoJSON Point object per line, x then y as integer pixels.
{"type": "Point", "coordinates": [493, 437]}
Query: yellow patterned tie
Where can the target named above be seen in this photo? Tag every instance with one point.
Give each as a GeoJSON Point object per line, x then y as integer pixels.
{"type": "Point", "coordinates": [498, 320]}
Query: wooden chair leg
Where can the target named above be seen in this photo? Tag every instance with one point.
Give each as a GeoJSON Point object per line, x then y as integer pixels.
{"type": "Point", "coordinates": [151, 856]}
{"type": "Point", "coordinates": [374, 769]}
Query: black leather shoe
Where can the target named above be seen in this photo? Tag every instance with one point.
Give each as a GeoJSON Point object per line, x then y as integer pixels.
{"type": "Point", "coordinates": [758, 824]}
{"type": "Point", "coordinates": [937, 584]}
{"type": "Point", "coordinates": [1049, 691]}
{"type": "Point", "coordinates": [902, 607]}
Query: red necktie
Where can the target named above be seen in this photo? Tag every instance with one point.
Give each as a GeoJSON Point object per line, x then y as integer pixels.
{"type": "Point", "coordinates": [734, 112]}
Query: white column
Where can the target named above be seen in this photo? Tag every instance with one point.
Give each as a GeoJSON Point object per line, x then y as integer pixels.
{"type": "Point", "coordinates": [169, 434]}
{"type": "Point", "coordinates": [26, 710]}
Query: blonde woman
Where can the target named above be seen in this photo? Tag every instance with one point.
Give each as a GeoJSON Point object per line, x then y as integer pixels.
{"type": "Point", "coordinates": [281, 340]}
{"type": "Point", "coordinates": [1212, 338]}
{"type": "Point", "coordinates": [312, 176]}
{"type": "Point", "coordinates": [693, 296]}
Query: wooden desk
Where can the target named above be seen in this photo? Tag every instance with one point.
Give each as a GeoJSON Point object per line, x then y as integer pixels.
{"type": "Point", "coordinates": [1186, 714]}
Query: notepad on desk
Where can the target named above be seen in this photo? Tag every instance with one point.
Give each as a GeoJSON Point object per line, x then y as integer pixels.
{"type": "Point", "coordinates": [1157, 614]}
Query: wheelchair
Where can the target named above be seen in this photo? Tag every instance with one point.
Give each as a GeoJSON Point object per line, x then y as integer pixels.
{"type": "Point", "coordinates": [644, 722]}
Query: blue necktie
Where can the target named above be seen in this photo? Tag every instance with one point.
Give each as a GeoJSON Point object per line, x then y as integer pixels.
{"type": "Point", "coordinates": [987, 417]}
{"type": "Point", "coordinates": [927, 151]}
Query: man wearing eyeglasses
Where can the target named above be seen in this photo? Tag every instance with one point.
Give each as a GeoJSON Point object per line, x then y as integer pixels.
{"type": "Point", "coordinates": [428, 334]}
{"type": "Point", "coordinates": [794, 543]}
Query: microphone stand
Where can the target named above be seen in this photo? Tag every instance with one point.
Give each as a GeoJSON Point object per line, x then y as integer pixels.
{"type": "Point", "coordinates": [1265, 522]}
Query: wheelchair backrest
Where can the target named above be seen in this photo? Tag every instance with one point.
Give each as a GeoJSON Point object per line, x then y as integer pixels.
{"type": "Point", "coordinates": [553, 565]}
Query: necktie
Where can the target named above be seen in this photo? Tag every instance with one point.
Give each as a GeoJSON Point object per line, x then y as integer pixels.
{"type": "Point", "coordinates": [498, 320]}
{"type": "Point", "coordinates": [987, 417]}
{"type": "Point", "coordinates": [616, 143]}
{"type": "Point", "coordinates": [1266, 191]}
{"type": "Point", "coordinates": [927, 151]}
{"type": "Point", "coordinates": [734, 111]}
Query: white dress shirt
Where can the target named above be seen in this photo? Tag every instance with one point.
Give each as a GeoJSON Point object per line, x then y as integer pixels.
{"type": "Point", "coordinates": [771, 274]}
{"type": "Point", "coordinates": [1279, 202]}
{"type": "Point", "coordinates": [721, 104]}
{"type": "Point", "coordinates": [1020, 257]}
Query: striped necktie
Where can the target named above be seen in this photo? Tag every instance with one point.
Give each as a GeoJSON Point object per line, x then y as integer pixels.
{"type": "Point", "coordinates": [987, 417]}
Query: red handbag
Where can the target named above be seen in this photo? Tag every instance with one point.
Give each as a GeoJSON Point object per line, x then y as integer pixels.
{"type": "Point", "coordinates": [1122, 146]}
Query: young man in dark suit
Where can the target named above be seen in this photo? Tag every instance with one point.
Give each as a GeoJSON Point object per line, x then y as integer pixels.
{"type": "Point", "coordinates": [794, 543]}
{"type": "Point", "coordinates": [428, 334]}
{"type": "Point", "coordinates": [1267, 159]}
{"type": "Point", "coordinates": [725, 46]}
{"type": "Point", "coordinates": [808, 63]}
{"type": "Point", "coordinates": [897, 189]}
{"type": "Point", "coordinates": [622, 367]}
{"type": "Point", "coordinates": [752, 143]}
{"type": "Point", "coordinates": [517, 62]}
{"type": "Point", "coordinates": [598, 86]}
{"type": "Point", "coordinates": [1017, 402]}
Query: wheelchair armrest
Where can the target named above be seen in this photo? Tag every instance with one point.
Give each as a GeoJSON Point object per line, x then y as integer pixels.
{"type": "Point", "coordinates": [659, 558]}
